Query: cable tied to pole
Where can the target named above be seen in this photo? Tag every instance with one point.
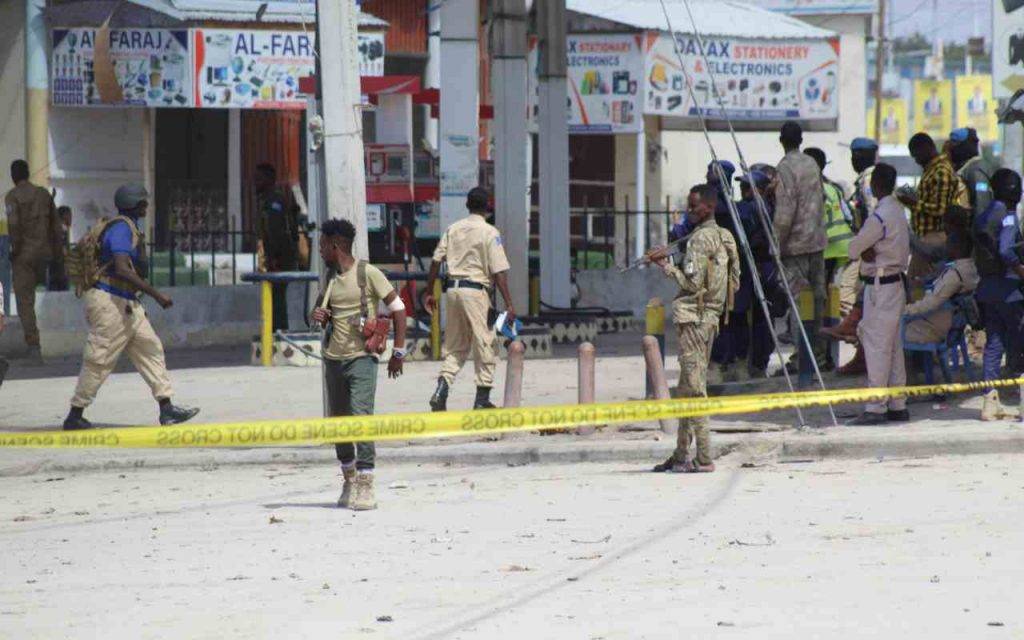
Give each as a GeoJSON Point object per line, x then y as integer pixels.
{"type": "Point", "coordinates": [761, 207]}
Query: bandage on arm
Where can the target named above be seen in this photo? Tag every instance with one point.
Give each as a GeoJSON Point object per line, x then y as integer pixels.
{"type": "Point", "coordinates": [396, 305]}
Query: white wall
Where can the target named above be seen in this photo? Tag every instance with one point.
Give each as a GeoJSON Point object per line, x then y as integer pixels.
{"type": "Point", "coordinates": [12, 86]}
{"type": "Point", "coordinates": [688, 155]}
{"type": "Point", "coordinates": [92, 152]}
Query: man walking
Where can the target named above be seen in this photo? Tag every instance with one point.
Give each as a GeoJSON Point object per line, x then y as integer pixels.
{"type": "Point", "coordinates": [349, 303]}
{"type": "Point", "coordinates": [277, 238]}
{"type": "Point", "coordinates": [35, 237]}
{"type": "Point", "coordinates": [883, 247]}
{"type": "Point", "coordinates": [800, 231]}
{"type": "Point", "coordinates": [709, 277]}
{"type": "Point", "coordinates": [476, 264]}
{"type": "Point", "coordinates": [117, 320]}
{"type": "Point", "coordinates": [936, 193]}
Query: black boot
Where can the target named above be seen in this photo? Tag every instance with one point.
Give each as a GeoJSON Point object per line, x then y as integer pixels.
{"type": "Point", "coordinates": [171, 414]}
{"type": "Point", "coordinates": [483, 398]}
{"type": "Point", "coordinates": [76, 421]}
{"type": "Point", "coordinates": [439, 401]}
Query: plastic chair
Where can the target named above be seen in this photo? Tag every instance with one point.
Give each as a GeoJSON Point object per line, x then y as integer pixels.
{"type": "Point", "coordinates": [949, 352]}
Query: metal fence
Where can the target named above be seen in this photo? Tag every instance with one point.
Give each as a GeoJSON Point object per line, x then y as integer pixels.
{"type": "Point", "coordinates": [606, 238]}
{"type": "Point", "coordinates": [181, 262]}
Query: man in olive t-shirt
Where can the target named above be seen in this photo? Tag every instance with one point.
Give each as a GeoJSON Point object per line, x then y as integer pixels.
{"type": "Point", "coordinates": [350, 370]}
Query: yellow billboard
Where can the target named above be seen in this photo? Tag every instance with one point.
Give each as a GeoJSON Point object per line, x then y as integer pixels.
{"type": "Point", "coordinates": [933, 107]}
{"type": "Point", "coordinates": [975, 106]}
{"type": "Point", "coordinates": [895, 127]}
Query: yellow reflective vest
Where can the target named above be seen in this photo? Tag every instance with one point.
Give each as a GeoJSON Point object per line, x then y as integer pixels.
{"type": "Point", "coordinates": [837, 228]}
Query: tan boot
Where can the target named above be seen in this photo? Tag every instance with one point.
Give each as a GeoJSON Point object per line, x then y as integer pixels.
{"type": "Point", "coordinates": [993, 410]}
{"type": "Point", "coordinates": [364, 499]}
{"type": "Point", "coordinates": [345, 499]}
{"type": "Point", "coordinates": [847, 329]}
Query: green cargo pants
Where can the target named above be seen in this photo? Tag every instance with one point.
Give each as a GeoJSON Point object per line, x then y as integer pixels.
{"type": "Point", "coordinates": [351, 389]}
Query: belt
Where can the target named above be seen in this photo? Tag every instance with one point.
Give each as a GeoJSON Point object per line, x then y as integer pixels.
{"type": "Point", "coordinates": [114, 291]}
{"type": "Point", "coordinates": [465, 284]}
{"type": "Point", "coordinates": [896, 277]}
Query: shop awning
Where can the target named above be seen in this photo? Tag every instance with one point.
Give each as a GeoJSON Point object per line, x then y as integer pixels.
{"type": "Point", "coordinates": [432, 97]}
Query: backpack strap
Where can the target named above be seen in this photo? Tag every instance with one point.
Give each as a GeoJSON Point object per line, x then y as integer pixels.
{"type": "Point", "coordinates": [361, 282]}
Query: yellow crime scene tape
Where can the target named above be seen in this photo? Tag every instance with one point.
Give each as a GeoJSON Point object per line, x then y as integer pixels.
{"type": "Point", "coordinates": [412, 426]}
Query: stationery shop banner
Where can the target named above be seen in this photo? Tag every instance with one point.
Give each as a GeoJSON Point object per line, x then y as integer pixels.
{"type": "Point", "coordinates": [758, 80]}
{"type": "Point", "coordinates": [151, 65]}
{"type": "Point", "coordinates": [933, 107]}
{"type": "Point", "coordinates": [895, 125]}
{"type": "Point", "coordinates": [975, 106]}
{"type": "Point", "coordinates": [237, 69]}
{"type": "Point", "coordinates": [605, 83]}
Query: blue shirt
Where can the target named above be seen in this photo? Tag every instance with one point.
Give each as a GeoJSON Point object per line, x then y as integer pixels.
{"type": "Point", "coordinates": [1004, 288]}
{"type": "Point", "coordinates": [117, 241]}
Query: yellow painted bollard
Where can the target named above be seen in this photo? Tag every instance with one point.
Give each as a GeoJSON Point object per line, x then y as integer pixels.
{"type": "Point", "coordinates": [435, 323]}
{"type": "Point", "coordinates": [267, 324]}
{"type": "Point", "coordinates": [534, 296]}
{"type": "Point", "coordinates": [805, 303]}
{"type": "Point", "coordinates": [833, 317]}
{"type": "Point", "coordinates": [654, 325]}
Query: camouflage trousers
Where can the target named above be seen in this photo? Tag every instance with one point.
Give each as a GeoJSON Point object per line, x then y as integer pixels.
{"type": "Point", "coordinates": [695, 341]}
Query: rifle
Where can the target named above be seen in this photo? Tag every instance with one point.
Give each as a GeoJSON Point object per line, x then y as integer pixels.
{"type": "Point", "coordinates": [679, 248]}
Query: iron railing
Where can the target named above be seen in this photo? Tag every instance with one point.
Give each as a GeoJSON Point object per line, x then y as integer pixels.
{"type": "Point", "coordinates": [193, 258]}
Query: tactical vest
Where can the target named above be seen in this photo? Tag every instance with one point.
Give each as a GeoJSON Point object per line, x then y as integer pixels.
{"type": "Point", "coordinates": [82, 259]}
{"type": "Point", "coordinates": [836, 227]}
{"type": "Point", "coordinates": [986, 246]}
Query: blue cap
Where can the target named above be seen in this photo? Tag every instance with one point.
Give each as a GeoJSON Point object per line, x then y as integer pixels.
{"type": "Point", "coordinates": [962, 134]}
{"type": "Point", "coordinates": [759, 178]}
{"type": "Point", "coordinates": [863, 144]}
{"type": "Point", "coordinates": [728, 167]}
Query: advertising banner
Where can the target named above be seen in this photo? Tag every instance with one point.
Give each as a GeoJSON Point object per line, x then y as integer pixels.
{"type": "Point", "coordinates": [151, 65]}
{"type": "Point", "coordinates": [895, 125]}
{"type": "Point", "coordinates": [1007, 47]}
{"type": "Point", "coordinates": [239, 69]}
{"type": "Point", "coordinates": [758, 80]}
{"type": "Point", "coordinates": [933, 107]}
{"type": "Point", "coordinates": [605, 78]}
{"type": "Point", "coordinates": [371, 53]}
{"type": "Point", "coordinates": [975, 106]}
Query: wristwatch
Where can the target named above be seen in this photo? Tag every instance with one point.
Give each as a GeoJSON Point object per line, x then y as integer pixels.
{"type": "Point", "coordinates": [398, 353]}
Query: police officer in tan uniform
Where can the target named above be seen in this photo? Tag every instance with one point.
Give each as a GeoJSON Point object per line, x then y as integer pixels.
{"type": "Point", "coordinates": [476, 264]}
{"type": "Point", "coordinates": [117, 320]}
{"type": "Point", "coordinates": [35, 238]}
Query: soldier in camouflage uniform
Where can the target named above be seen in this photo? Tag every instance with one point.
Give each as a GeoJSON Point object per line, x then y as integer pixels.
{"type": "Point", "coordinates": [708, 278]}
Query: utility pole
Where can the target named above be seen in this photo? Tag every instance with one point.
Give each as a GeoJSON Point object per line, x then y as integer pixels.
{"type": "Point", "coordinates": [460, 106]}
{"type": "Point", "coordinates": [555, 285]}
{"type": "Point", "coordinates": [337, 32]}
{"type": "Point", "coordinates": [511, 197]}
{"type": "Point", "coordinates": [879, 68]}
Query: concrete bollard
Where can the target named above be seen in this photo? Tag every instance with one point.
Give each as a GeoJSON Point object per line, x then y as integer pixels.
{"type": "Point", "coordinates": [585, 382]}
{"type": "Point", "coordinates": [654, 321]}
{"type": "Point", "coordinates": [656, 374]}
{"type": "Point", "coordinates": [514, 375]}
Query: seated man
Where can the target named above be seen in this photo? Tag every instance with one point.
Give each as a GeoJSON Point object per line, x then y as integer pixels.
{"type": "Point", "coordinates": [959, 277]}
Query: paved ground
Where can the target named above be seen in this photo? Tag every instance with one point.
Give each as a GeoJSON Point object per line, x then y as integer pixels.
{"type": "Point", "coordinates": [913, 548]}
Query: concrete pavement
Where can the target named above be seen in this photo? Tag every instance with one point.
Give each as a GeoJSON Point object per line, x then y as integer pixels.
{"type": "Point", "coordinates": [921, 548]}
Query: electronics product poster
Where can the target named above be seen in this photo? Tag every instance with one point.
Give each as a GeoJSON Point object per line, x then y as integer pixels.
{"type": "Point", "coordinates": [757, 80]}
{"type": "Point", "coordinates": [151, 65]}
{"type": "Point", "coordinates": [238, 69]}
{"type": "Point", "coordinates": [605, 77]}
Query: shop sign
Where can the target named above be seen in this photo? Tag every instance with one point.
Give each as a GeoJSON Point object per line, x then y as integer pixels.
{"type": "Point", "coordinates": [242, 69]}
{"type": "Point", "coordinates": [371, 53]}
{"type": "Point", "coordinates": [151, 65]}
{"type": "Point", "coordinates": [757, 80]}
{"type": "Point", "coordinates": [605, 83]}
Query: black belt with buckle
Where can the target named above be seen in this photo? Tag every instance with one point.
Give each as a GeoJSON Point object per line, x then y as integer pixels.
{"type": "Point", "coordinates": [896, 277]}
{"type": "Point", "coordinates": [465, 284]}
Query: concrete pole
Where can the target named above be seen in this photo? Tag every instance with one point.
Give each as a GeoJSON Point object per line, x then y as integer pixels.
{"type": "Point", "coordinates": [514, 375]}
{"type": "Point", "coordinates": [511, 141]}
{"type": "Point", "coordinates": [656, 373]}
{"type": "Point", "coordinates": [37, 95]}
{"type": "Point", "coordinates": [433, 70]}
{"type": "Point", "coordinates": [343, 119]}
{"type": "Point", "coordinates": [460, 106]}
{"type": "Point", "coordinates": [640, 222]}
{"type": "Point", "coordinates": [585, 379]}
{"type": "Point", "coordinates": [555, 286]}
